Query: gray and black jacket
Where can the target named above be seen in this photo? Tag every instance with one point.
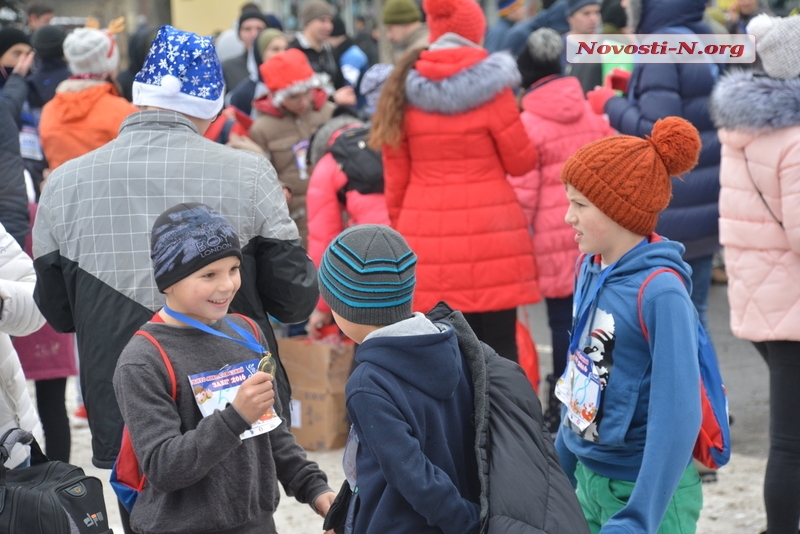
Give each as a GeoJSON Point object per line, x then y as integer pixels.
{"type": "Point", "coordinates": [523, 488]}
{"type": "Point", "coordinates": [92, 246]}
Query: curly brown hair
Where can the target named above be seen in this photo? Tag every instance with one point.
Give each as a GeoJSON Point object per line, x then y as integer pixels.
{"type": "Point", "coordinates": [387, 122]}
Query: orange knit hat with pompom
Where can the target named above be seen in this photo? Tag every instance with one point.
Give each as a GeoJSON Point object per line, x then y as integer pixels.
{"type": "Point", "coordinates": [628, 178]}
{"type": "Point", "coordinates": [464, 17]}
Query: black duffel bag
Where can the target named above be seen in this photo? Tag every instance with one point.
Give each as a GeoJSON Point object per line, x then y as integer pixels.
{"type": "Point", "coordinates": [49, 497]}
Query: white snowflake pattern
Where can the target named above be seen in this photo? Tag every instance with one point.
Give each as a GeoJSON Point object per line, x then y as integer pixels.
{"type": "Point", "coordinates": [162, 63]}
{"type": "Point", "coordinates": [193, 92]}
{"type": "Point", "coordinates": [182, 38]}
{"type": "Point", "coordinates": [151, 69]}
{"type": "Point", "coordinates": [203, 42]}
{"type": "Point", "coordinates": [173, 52]}
{"type": "Point", "coordinates": [195, 80]}
{"type": "Point", "coordinates": [157, 79]}
{"type": "Point", "coordinates": [204, 92]}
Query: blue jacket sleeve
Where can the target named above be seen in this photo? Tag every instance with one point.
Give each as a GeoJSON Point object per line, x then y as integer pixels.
{"type": "Point", "coordinates": [674, 413]}
{"type": "Point", "coordinates": [656, 88]}
{"type": "Point", "coordinates": [405, 467]}
{"type": "Point", "coordinates": [554, 17]}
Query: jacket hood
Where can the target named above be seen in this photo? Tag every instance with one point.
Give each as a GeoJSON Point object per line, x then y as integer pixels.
{"type": "Point", "coordinates": [323, 137]}
{"type": "Point", "coordinates": [429, 360]}
{"type": "Point", "coordinates": [459, 90]}
{"type": "Point", "coordinates": [658, 253]}
{"type": "Point", "coordinates": [653, 15]}
{"type": "Point", "coordinates": [76, 98]}
{"type": "Point", "coordinates": [748, 100]}
{"type": "Point", "coordinates": [559, 99]}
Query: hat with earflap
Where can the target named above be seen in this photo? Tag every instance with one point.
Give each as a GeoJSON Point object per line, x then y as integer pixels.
{"type": "Point", "coordinates": [181, 73]}
{"type": "Point", "coordinates": [628, 178]}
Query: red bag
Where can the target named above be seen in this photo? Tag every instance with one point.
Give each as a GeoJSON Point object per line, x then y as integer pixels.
{"type": "Point", "coordinates": [527, 356]}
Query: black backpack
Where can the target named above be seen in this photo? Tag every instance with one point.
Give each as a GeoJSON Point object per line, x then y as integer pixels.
{"type": "Point", "coordinates": [49, 497]}
{"type": "Point", "coordinates": [361, 164]}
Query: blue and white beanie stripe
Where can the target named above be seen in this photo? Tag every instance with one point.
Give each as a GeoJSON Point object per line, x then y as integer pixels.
{"type": "Point", "coordinates": [367, 275]}
{"type": "Point", "coordinates": [181, 73]}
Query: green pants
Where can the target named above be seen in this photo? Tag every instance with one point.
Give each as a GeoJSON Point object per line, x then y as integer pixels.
{"type": "Point", "coordinates": [602, 497]}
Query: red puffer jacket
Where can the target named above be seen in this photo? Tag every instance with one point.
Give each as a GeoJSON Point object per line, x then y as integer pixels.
{"type": "Point", "coordinates": [446, 187]}
{"type": "Point", "coordinates": [559, 121]}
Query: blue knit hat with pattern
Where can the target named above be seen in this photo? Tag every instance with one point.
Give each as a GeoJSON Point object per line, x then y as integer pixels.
{"type": "Point", "coordinates": [367, 275]}
{"type": "Point", "coordinates": [186, 238]}
{"type": "Point", "coordinates": [182, 73]}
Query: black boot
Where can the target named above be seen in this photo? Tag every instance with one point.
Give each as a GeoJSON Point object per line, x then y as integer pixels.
{"type": "Point", "coordinates": [552, 415]}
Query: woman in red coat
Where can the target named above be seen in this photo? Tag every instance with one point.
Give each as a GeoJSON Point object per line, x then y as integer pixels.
{"type": "Point", "coordinates": [450, 131]}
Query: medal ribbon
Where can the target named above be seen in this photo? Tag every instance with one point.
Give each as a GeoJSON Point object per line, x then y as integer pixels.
{"type": "Point", "coordinates": [579, 325]}
{"type": "Point", "coordinates": [249, 341]}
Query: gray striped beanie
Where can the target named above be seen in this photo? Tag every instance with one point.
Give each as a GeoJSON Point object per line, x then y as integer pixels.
{"type": "Point", "coordinates": [367, 275]}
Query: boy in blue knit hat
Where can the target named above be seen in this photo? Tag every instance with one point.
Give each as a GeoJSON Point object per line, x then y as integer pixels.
{"type": "Point", "coordinates": [410, 458]}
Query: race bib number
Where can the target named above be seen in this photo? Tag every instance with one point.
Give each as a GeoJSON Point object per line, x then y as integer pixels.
{"type": "Point", "coordinates": [300, 150]}
{"type": "Point", "coordinates": [214, 390]}
{"type": "Point", "coordinates": [29, 145]}
{"type": "Point", "coordinates": [579, 389]}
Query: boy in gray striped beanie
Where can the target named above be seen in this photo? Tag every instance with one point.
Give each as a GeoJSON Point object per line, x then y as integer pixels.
{"type": "Point", "coordinates": [367, 276]}
{"type": "Point", "coordinates": [410, 399]}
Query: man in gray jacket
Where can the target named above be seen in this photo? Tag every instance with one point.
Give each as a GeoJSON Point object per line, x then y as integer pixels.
{"type": "Point", "coordinates": [92, 232]}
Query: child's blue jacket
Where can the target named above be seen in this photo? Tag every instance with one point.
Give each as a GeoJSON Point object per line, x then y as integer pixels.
{"type": "Point", "coordinates": [649, 416]}
{"type": "Point", "coordinates": [411, 404]}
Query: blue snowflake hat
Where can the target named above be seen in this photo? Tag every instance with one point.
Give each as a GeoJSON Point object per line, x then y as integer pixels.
{"type": "Point", "coordinates": [186, 238]}
{"type": "Point", "coordinates": [181, 73]}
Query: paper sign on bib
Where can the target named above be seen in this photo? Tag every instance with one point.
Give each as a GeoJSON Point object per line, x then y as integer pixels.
{"type": "Point", "coordinates": [579, 389]}
{"type": "Point", "coordinates": [214, 390]}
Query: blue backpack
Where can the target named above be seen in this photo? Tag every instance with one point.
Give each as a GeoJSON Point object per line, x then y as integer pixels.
{"type": "Point", "coordinates": [713, 445]}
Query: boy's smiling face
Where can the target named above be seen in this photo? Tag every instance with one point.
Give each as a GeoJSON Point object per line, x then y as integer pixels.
{"type": "Point", "coordinates": [206, 294]}
{"type": "Point", "coordinates": [596, 232]}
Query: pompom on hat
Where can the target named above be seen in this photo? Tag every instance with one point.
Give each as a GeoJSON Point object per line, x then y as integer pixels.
{"type": "Point", "coordinates": [776, 45]}
{"type": "Point", "coordinates": [289, 73]}
{"type": "Point", "coordinates": [462, 17]}
{"type": "Point", "coordinates": [628, 178]}
{"type": "Point", "coordinates": [181, 73]}
{"type": "Point", "coordinates": [91, 51]}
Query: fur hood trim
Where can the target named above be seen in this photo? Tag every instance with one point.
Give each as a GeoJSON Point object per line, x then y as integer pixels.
{"type": "Point", "coordinates": [747, 100]}
{"type": "Point", "coordinates": [465, 90]}
{"type": "Point", "coordinates": [320, 143]}
{"type": "Point", "coordinates": [317, 81]}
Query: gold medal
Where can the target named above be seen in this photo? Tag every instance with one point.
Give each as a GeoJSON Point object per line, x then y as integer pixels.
{"type": "Point", "coordinates": [268, 364]}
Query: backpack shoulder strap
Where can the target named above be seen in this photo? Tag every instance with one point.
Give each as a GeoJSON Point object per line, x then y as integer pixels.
{"type": "Point", "coordinates": [164, 357]}
{"type": "Point", "coordinates": [252, 324]}
{"type": "Point", "coordinates": [641, 296]}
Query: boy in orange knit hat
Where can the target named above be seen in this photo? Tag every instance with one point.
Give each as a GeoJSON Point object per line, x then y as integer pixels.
{"type": "Point", "coordinates": [632, 406]}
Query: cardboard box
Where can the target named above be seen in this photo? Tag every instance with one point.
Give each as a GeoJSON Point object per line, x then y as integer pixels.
{"type": "Point", "coordinates": [318, 372]}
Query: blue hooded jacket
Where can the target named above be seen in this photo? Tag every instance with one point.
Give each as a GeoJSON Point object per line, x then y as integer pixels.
{"type": "Point", "coordinates": [411, 402]}
{"type": "Point", "coordinates": [649, 414]}
{"type": "Point", "coordinates": [683, 90]}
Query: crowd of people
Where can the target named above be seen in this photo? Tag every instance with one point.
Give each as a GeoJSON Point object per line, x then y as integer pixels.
{"type": "Point", "coordinates": [220, 187]}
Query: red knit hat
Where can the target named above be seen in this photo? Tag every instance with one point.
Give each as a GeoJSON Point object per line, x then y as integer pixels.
{"type": "Point", "coordinates": [628, 178]}
{"type": "Point", "coordinates": [464, 17]}
{"type": "Point", "coordinates": [288, 73]}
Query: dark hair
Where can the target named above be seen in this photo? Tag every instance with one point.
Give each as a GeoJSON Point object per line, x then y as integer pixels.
{"type": "Point", "coordinates": [362, 19]}
{"type": "Point", "coordinates": [38, 9]}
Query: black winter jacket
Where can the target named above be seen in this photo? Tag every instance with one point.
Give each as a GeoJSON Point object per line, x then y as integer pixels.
{"type": "Point", "coordinates": [523, 488]}
{"type": "Point", "coordinates": [13, 198]}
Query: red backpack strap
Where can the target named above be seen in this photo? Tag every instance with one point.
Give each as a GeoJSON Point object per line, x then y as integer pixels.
{"type": "Point", "coordinates": [641, 296]}
{"type": "Point", "coordinates": [252, 324]}
{"type": "Point", "coordinates": [164, 357]}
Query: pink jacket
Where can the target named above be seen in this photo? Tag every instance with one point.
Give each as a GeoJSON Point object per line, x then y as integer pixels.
{"type": "Point", "coordinates": [759, 120]}
{"type": "Point", "coordinates": [558, 121]}
{"type": "Point", "coordinates": [326, 215]}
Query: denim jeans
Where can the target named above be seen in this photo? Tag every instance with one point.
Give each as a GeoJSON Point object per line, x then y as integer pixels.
{"type": "Point", "coordinates": [701, 283]}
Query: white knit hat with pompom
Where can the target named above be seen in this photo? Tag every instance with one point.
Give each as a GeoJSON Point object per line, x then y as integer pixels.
{"type": "Point", "coordinates": [777, 44]}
